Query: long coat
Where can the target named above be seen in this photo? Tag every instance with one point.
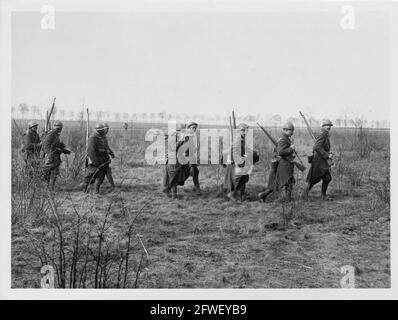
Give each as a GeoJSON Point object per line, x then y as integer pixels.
{"type": "Point", "coordinates": [285, 171]}
{"type": "Point", "coordinates": [319, 165]}
{"type": "Point", "coordinates": [273, 168]}
{"type": "Point", "coordinates": [53, 148]}
{"type": "Point", "coordinates": [96, 150]}
{"type": "Point", "coordinates": [176, 174]}
{"type": "Point", "coordinates": [107, 145]}
{"type": "Point", "coordinates": [235, 178]}
{"type": "Point", "coordinates": [31, 144]}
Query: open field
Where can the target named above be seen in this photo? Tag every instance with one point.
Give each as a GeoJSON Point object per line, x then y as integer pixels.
{"type": "Point", "coordinates": [137, 237]}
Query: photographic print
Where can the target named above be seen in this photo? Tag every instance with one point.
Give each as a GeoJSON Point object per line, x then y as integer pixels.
{"type": "Point", "coordinates": [199, 145]}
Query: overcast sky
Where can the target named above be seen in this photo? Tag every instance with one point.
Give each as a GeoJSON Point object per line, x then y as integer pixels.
{"type": "Point", "coordinates": [269, 62]}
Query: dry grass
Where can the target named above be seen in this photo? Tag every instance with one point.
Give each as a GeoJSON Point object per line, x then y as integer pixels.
{"type": "Point", "coordinates": [208, 242]}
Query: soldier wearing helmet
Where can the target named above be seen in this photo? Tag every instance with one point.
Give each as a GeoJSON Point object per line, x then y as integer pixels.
{"type": "Point", "coordinates": [98, 159]}
{"type": "Point", "coordinates": [194, 170]}
{"type": "Point", "coordinates": [31, 147]}
{"type": "Point", "coordinates": [53, 148]}
{"type": "Point", "coordinates": [109, 175]}
{"type": "Point", "coordinates": [321, 161]}
{"type": "Point", "coordinates": [237, 174]}
{"type": "Point", "coordinates": [284, 177]}
{"type": "Point", "coordinates": [176, 173]}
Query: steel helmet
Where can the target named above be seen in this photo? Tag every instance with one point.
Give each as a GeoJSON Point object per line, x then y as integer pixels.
{"type": "Point", "coordinates": [192, 124]}
{"type": "Point", "coordinates": [243, 126]}
{"type": "Point", "coordinates": [58, 124]}
{"type": "Point", "coordinates": [327, 122]}
{"type": "Point", "coordinates": [99, 127]}
{"type": "Point", "coordinates": [32, 124]}
{"type": "Point", "coordinates": [180, 127]}
{"type": "Point", "coordinates": [288, 125]}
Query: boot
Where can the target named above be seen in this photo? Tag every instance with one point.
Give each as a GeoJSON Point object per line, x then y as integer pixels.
{"type": "Point", "coordinates": [174, 192]}
{"type": "Point", "coordinates": [306, 191]}
{"type": "Point", "coordinates": [263, 195]}
{"type": "Point", "coordinates": [242, 193]}
{"type": "Point", "coordinates": [51, 183]}
{"type": "Point", "coordinates": [167, 191]}
{"type": "Point", "coordinates": [288, 194]}
{"type": "Point", "coordinates": [232, 196]}
{"type": "Point", "coordinates": [110, 179]}
{"type": "Point", "coordinates": [197, 190]}
{"type": "Point", "coordinates": [83, 186]}
{"type": "Point", "coordinates": [97, 186]}
{"type": "Point", "coordinates": [324, 189]}
{"type": "Point", "coordinates": [326, 198]}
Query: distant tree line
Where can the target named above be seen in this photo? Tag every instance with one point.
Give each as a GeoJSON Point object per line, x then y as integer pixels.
{"type": "Point", "coordinates": [24, 111]}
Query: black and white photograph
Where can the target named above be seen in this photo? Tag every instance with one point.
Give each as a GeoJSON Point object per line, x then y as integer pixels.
{"type": "Point", "coordinates": [197, 145]}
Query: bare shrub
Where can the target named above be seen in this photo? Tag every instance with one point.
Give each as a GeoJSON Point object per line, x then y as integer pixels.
{"type": "Point", "coordinates": [382, 188]}
{"type": "Point", "coordinates": [364, 145]}
{"type": "Point", "coordinates": [355, 174]}
{"type": "Point", "coordinates": [86, 249]}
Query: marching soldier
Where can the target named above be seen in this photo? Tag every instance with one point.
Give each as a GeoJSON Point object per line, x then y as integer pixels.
{"type": "Point", "coordinates": [321, 161]}
{"type": "Point", "coordinates": [32, 147]}
{"type": "Point", "coordinates": [98, 159]}
{"type": "Point", "coordinates": [237, 175]}
{"type": "Point", "coordinates": [175, 174]}
{"type": "Point", "coordinates": [53, 148]}
{"type": "Point", "coordinates": [284, 177]}
{"type": "Point", "coordinates": [194, 171]}
{"type": "Point", "coordinates": [110, 152]}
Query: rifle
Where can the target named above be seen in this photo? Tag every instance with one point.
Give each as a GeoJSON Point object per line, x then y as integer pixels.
{"type": "Point", "coordinates": [300, 165]}
{"type": "Point", "coordinates": [87, 135]}
{"type": "Point", "coordinates": [233, 119]}
{"type": "Point", "coordinates": [310, 158]}
{"type": "Point", "coordinates": [49, 114]}
{"type": "Point", "coordinates": [308, 126]}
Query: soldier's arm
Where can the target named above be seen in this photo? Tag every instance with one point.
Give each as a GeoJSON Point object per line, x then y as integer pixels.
{"type": "Point", "coordinates": [64, 149]}
{"type": "Point", "coordinates": [283, 148]}
{"type": "Point", "coordinates": [318, 147]}
{"type": "Point", "coordinates": [111, 152]}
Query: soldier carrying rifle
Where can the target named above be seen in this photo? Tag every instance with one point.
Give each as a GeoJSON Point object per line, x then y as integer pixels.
{"type": "Point", "coordinates": [53, 148]}
{"type": "Point", "coordinates": [284, 177]}
{"type": "Point", "coordinates": [194, 171]}
{"type": "Point", "coordinates": [31, 147]}
{"type": "Point", "coordinates": [320, 162]}
{"type": "Point", "coordinates": [237, 174]}
{"type": "Point", "coordinates": [176, 173]}
{"type": "Point", "coordinates": [110, 152]}
{"type": "Point", "coordinates": [98, 159]}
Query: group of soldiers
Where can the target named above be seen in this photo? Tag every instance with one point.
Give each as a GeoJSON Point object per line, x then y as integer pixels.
{"type": "Point", "coordinates": [44, 156]}
{"type": "Point", "coordinates": [282, 165]}
{"type": "Point", "coordinates": [281, 177]}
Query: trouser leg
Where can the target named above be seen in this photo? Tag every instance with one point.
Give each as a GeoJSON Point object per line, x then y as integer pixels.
{"type": "Point", "coordinates": [195, 176]}
{"type": "Point", "coordinates": [325, 183]}
{"type": "Point", "coordinates": [241, 186]}
{"type": "Point", "coordinates": [110, 177]}
{"type": "Point", "coordinates": [52, 178]}
{"type": "Point", "coordinates": [288, 191]}
{"type": "Point", "coordinates": [174, 192]}
{"type": "Point", "coordinates": [307, 190]}
{"type": "Point", "coordinates": [166, 187]}
{"type": "Point", "coordinates": [99, 178]}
